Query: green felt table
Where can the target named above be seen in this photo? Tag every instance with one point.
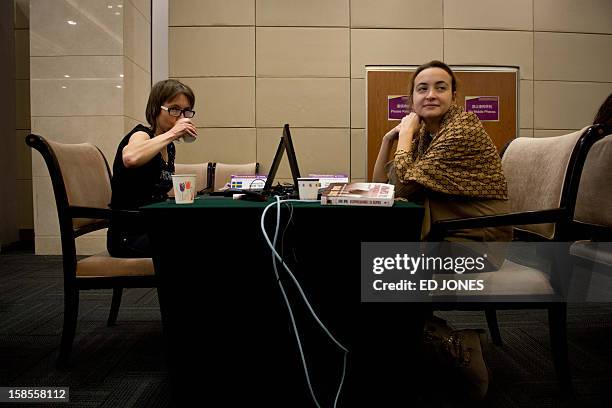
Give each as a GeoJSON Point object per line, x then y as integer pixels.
{"type": "Point", "coordinates": [215, 274]}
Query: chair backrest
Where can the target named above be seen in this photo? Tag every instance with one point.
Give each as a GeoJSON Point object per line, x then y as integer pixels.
{"type": "Point", "coordinates": [199, 169]}
{"type": "Point", "coordinates": [223, 172]}
{"type": "Point", "coordinates": [538, 172]}
{"type": "Point", "coordinates": [594, 200]}
{"type": "Point", "coordinates": [80, 176]}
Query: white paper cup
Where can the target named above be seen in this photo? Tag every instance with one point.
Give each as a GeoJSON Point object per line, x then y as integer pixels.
{"type": "Point", "coordinates": [308, 188]}
{"type": "Point", "coordinates": [184, 188]}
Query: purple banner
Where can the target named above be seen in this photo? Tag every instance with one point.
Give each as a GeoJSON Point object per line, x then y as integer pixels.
{"type": "Point", "coordinates": [485, 107]}
{"type": "Point", "coordinates": [398, 106]}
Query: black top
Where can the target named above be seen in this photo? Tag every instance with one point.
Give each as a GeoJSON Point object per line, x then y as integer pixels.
{"type": "Point", "coordinates": [138, 186]}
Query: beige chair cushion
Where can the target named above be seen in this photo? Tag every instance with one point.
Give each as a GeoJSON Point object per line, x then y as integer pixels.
{"type": "Point", "coordinates": [594, 203]}
{"type": "Point", "coordinates": [597, 252]}
{"type": "Point", "coordinates": [104, 265]}
{"type": "Point", "coordinates": [535, 169]}
{"type": "Point", "coordinates": [199, 169]}
{"type": "Point", "coordinates": [224, 172]}
{"type": "Point", "coordinates": [85, 176]}
{"type": "Point", "coordinates": [511, 279]}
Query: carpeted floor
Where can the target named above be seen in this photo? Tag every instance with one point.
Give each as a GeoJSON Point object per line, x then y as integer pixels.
{"type": "Point", "coordinates": [120, 366]}
{"type": "Point", "coordinates": [123, 366]}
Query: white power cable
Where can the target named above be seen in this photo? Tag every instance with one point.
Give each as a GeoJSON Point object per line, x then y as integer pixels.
{"type": "Point", "coordinates": [276, 256]}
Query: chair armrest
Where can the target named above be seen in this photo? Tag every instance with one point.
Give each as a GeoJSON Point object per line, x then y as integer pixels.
{"type": "Point", "coordinates": [104, 215]}
{"type": "Point", "coordinates": [439, 228]}
{"type": "Point", "coordinates": [100, 213]}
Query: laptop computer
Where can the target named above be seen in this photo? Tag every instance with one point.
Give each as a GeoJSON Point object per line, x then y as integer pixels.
{"type": "Point", "coordinates": [285, 144]}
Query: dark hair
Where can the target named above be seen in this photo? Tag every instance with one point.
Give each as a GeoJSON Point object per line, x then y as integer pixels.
{"type": "Point", "coordinates": [604, 114]}
{"type": "Point", "coordinates": [433, 64]}
{"type": "Point", "coordinates": [162, 92]}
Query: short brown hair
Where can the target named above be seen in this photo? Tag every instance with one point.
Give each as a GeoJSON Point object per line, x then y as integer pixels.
{"type": "Point", "coordinates": [433, 64]}
{"type": "Point", "coordinates": [162, 92]}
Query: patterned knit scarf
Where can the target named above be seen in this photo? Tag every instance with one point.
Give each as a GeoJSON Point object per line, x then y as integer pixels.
{"type": "Point", "coordinates": [460, 160]}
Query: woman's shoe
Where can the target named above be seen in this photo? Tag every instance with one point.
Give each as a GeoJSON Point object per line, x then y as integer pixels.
{"type": "Point", "coordinates": [467, 347]}
{"type": "Point", "coordinates": [461, 350]}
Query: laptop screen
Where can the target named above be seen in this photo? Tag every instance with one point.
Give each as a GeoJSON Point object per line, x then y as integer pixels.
{"type": "Point", "coordinates": [285, 143]}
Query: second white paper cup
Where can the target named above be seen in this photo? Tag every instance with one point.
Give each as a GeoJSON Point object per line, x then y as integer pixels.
{"type": "Point", "coordinates": [308, 188]}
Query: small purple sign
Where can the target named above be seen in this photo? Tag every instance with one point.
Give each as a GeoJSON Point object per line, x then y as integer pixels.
{"type": "Point", "coordinates": [398, 106]}
{"type": "Point", "coordinates": [485, 107]}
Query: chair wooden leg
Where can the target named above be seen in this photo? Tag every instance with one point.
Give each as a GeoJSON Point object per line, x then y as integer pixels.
{"type": "Point", "coordinates": [115, 303]}
{"type": "Point", "coordinates": [71, 313]}
{"type": "Point", "coordinates": [557, 321]}
{"type": "Point", "coordinates": [491, 315]}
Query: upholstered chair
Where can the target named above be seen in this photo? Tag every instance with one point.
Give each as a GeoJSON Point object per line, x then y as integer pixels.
{"type": "Point", "coordinates": [593, 217]}
{"type": "Point", "coordinates": [203, 172]}
{"type": "Point", "coordinates": [224, 171]}
{"type": "Point", "coordinates": [543, 176]}
{"type": "Point", "coordinates": [81, 184]}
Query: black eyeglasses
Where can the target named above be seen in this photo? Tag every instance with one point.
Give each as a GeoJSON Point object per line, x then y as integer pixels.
{"type": "Point", "coordinates": [176, 112]}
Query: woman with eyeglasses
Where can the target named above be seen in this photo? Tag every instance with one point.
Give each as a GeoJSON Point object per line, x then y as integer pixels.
{"type": "Point", "coordinates": [144, 164]}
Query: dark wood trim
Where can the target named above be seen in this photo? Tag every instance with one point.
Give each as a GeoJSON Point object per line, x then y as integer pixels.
{"type": "Point", "coordinates": [440, 228]}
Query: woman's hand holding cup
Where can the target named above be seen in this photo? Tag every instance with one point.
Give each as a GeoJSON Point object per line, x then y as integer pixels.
{"type": "Point", "coordinates": [185, 130]}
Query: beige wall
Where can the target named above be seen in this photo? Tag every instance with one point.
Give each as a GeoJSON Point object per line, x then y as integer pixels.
{"type": "Point", "coordinates": [89, 82]}
{"type": "Point", "coordinates": [256, 64]}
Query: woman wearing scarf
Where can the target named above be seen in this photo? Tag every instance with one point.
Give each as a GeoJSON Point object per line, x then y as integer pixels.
{"type": "Point", "coordinates": [445, 159]}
